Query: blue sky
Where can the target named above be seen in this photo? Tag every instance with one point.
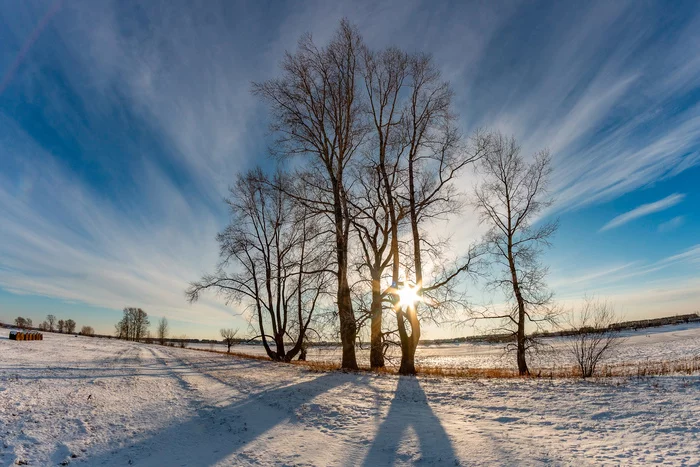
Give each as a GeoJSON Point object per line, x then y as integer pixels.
{"type": "Point", "coordinates": [123, 123]}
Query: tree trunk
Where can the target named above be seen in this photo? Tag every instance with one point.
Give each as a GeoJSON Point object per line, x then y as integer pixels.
{"type": "Point", "coordinates": [279, 341]}
{"type": "Point", "coordinates": [348, 326]}
{"type": "Point", "coordinates": [522, 363]}
{"type": "Point", "coordinates": [376, 351]}
{"type": "Point", "coordinates": [408, 343]}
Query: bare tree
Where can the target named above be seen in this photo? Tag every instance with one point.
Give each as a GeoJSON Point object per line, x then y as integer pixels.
{"type": "Point", "coordinates": [51, 319]}
{"type": "Point", "coordinates": [44, 326]}
{"type": "Point", "coordinates": [163, 330]}
{"type": "Point", "coordinates": [273, 258]}
{"type": "Point", "coordinates": [509, 200]}
{"type": "Point", "coordinates": [316, 112]}
{"type": "Point", "coordinates": [21, 322]}
{"type": "Point", "coordinates": [70, 326]}
{"type": "Point", "coordinates": [435, 155]}
{"type": "Point", "coordinates": [61, 325]}
{"type": "Point", "coordinates": [594, 338]}
{"type": "Point", "coordinates": [378, 213]}
{"type": "Point", "coordinates": [229, 336]}
{"type": "Point", "coordinates": [87, 331]}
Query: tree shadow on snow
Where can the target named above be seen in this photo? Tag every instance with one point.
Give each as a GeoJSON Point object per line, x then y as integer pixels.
{"type": "Point", "coordinates": [214, 433]}
{"type": "Point", "coordinates": [410, 409]}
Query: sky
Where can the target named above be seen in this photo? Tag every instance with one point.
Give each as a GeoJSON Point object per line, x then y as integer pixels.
{"type": "Point", "coordinates": [123, 123]}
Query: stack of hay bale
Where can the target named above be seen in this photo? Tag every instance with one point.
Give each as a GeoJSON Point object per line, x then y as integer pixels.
{"type": "Point", "coordinates": [26, 336]}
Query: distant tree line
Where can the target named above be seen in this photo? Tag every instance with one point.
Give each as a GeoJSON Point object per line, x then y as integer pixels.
{"type": "Point", "coordinates": [134, 326]}
{"type": "Point", "coordinates": [51, 324]}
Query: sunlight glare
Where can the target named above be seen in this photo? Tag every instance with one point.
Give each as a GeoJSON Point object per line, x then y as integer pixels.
{"type": "Point", "coordinates": [408, 295]}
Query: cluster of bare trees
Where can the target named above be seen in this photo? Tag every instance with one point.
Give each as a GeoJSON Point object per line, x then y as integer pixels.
{"type": "Point", "coordinates": [348, 227]}
{"type": "Point", "coordinates": [49, 324]}
{"type": "Point", "coordinates": [23, 323]}
{"type": "Point", "coordinates": [134, 325]}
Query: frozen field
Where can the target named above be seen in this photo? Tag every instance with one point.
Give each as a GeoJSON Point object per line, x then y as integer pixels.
{"type": "Point", "coordinates": [661, 344]}
{"type": "Point", "coordinates": [76, 400]}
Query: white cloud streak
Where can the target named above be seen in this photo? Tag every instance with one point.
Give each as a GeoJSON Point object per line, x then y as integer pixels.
{"type": "Point", "coordinates": [643, 210]}
{"type": "Point", "coordinates": [671, 224]}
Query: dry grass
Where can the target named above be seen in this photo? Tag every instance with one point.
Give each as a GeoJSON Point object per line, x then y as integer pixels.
{"type": "Point", "coordinates": [686, 366]}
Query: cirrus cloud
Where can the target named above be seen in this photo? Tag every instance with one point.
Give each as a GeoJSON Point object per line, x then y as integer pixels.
{"type": "Point", "coordinates": [643, 210]}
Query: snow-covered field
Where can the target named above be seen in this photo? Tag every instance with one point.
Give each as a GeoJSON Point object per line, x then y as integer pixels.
{"type": "Point", "coordinates": [665, 343]}
{"type": "Point", "coordinates": [78, 400]}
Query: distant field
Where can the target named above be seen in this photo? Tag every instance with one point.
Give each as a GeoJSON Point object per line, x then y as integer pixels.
{"type": "Point", "coordinates": [658, 344]}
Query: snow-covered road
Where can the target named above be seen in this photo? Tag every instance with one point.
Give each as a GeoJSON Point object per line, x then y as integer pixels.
{"type": "Point", "coordinates": [90, 401]}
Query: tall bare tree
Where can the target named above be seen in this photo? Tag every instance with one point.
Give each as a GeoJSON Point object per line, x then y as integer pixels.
{"type": "Point", "coordinates": [51, 319]}
{"type": "Point", "coordinates": [316, 112]}
{"type": "Point", "coordinates": [509, 200]}
{"type": "Point", "coordinates": [273, 260]}
{"type": "Point", "coordinates": [163, 330]}
{"type": "Point", "coordinates": [70, 326]}
{"type": "Point", "coordinates": [379, 212]}
{"type": "Point", "coordinates": [61, 325]}
{"type": "Point", "coordinates": [435, 155]}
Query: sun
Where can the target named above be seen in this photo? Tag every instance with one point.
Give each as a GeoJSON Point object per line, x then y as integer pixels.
{"type": "Point", "coordinates": [408, 295]}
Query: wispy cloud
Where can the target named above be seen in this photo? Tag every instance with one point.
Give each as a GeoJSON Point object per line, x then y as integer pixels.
{"type": "Point", "coordinates": [671, 224]}
{"type": "Point", "coordinates": [643, 210]}
{"type": "Point", "coordinates": [611, 278]}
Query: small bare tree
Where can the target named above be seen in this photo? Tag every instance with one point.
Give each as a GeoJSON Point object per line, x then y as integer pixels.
{"type": "Point", "coordinates": [509, 200]}
{"type": "Point", "coordinates": [51, 319]}
{"type": "Point", "coordinates": [163, 330]}
{"type": "Point", "coordinates": [70, 326]}
{"type": "Point", "coordinates": [87, 331]}
{"type": "Point", "coordinates": [229, 336]}
{"type": "Point", "coordinates": [594, 339]}
{"type": "Point", "coordinates": [61, 325]}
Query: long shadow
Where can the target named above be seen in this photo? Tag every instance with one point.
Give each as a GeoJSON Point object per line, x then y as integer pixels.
{"type": "Point", "coordinates": [214, 433]}
{"type": "Point", "coordinates": [410, 409]}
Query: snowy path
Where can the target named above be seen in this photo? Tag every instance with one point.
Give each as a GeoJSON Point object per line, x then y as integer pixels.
{"type": "Point", "coordinates": [117, 403]}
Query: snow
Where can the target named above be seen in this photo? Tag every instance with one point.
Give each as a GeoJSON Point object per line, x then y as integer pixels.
{"type": "Point", "coordinates": [88, 401]}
